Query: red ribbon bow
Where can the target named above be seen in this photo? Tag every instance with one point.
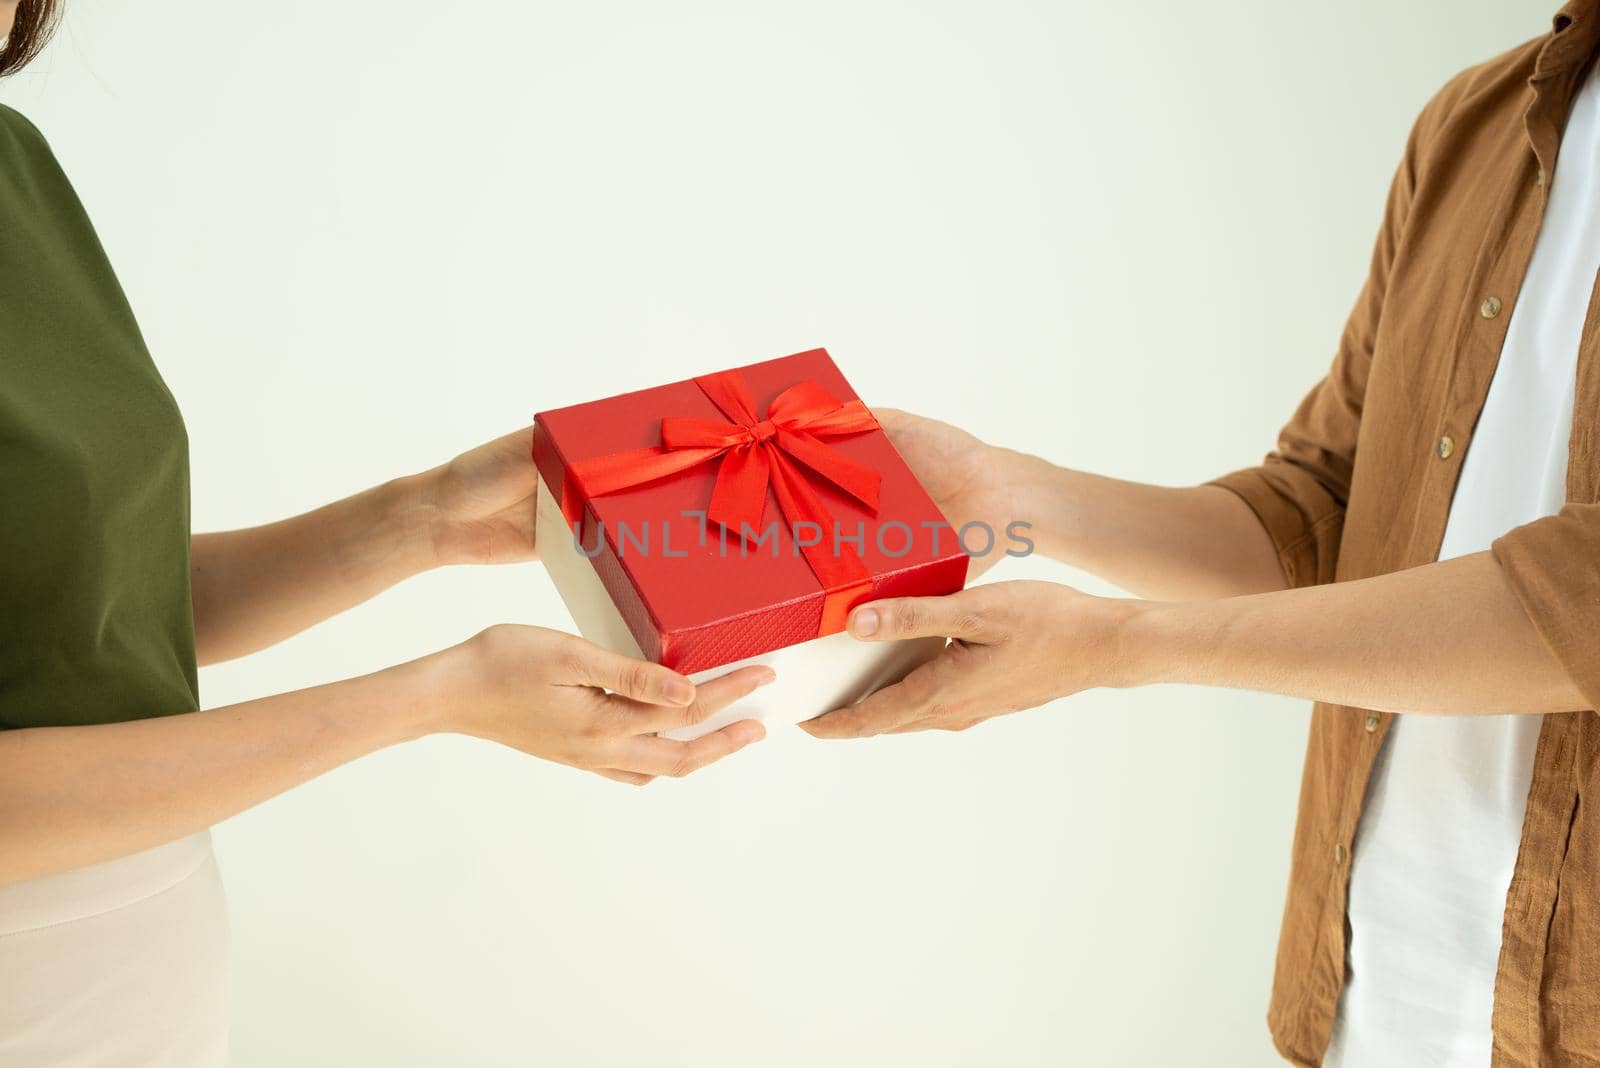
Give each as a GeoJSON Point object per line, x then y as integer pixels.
{"type": "Point", "coordinates": [785, 450]}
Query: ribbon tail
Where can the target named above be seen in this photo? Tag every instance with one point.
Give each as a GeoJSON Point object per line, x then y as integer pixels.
{"type": "Point", "coordinates": [845, 580]}
{"type": "Point", "coordinates": [739, 496]}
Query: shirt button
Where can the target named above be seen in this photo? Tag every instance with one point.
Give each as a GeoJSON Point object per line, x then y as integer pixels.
{"type": "Point", "coordinates": [1338, 853]}
{"type": "Point", "coordinates": [1445, 447]}
{"type": "Point", "coordinates": [1490, 307]}
{"type": "Point", "coordinates": [1372, 722]}
{"type": "Point", "coordinates": [1538, 179]}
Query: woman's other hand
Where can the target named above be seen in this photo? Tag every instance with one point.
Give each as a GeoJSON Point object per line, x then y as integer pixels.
{"type": "Point", "coordinates": [478, 507]}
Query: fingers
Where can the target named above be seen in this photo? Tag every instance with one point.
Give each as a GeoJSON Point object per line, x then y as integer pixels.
{"type": "Point", "coordinates": [643, 753]}
{"type": "Point", "coordinates": [636, 680]}
{"type": "Point", "coordinates": [891, 419]}
{"type": "Point", "coordinates": [890, 708]}
{"type": "Point", "coordinates": [649, 755]}
{"type": "Point", "coordinates": [514, 449]}
{"type": "Point", "coordinates": [712, 697]}
{"type": "Point", "coordinates": [955, 616]}
{"type": "Point", "coordinates": [632, 778]}
{"type": "Point", "coordinates": [517, 443]}
{"type": "Point", "coordinates": [709, 699]}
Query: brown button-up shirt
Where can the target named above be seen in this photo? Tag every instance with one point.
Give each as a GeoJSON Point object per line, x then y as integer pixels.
{"type": "Point", "coordinates": [1360, 484]}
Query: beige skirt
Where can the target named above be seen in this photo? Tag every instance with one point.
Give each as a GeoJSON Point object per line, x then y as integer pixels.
{"type": "Point", "coordinates": [118, 964]}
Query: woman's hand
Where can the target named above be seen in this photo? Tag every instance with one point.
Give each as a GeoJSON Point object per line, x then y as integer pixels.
{"type": "Point", "coordinates": [967, 478]}
{"type": "Point", "coordinates": [478, 508]}
{"type": "Point", "coordinates": [1016, 645]}
{"type": "Point", "coordinates": [564, 699]}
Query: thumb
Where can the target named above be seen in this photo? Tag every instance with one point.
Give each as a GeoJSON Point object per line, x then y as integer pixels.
{"type": "Point", "coordinates": [955, 616]}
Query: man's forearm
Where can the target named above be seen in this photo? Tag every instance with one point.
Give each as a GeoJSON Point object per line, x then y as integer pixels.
{"type": "Point", "coordinates": [1174, 544]}
{"type": "Point", "coordinates": [256, 587]}
{"type": "Point", "coordinates": [1448, 638]}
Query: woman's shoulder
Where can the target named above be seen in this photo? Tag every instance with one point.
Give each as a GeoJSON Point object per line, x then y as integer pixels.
{"type": "Point", "coordinates": [19, 125]}
{"type": "Point", "coordinates": [24, 150]}
{"type": "Point", "coordinates": [18, 134]}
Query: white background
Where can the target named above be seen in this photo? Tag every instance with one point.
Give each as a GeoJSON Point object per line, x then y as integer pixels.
{"type": "Point", "coordinates": [361, 237]}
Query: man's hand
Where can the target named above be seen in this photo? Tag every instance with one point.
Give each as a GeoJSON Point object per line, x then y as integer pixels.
{"type": "Point", "coordinates": [968, 479]}
{"type": "Point", "coordinates": [1449, 638]}
{"type": "Point", "coordinates": [1161, 542]}
{"type": "Point", "coordinates": [1015, 645]}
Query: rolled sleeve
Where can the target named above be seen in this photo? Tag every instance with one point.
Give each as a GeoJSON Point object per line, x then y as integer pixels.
{"type": "Point", "coordinates": [1303, 520]}
{"type": "Point", "coordinates": [1553, 565]}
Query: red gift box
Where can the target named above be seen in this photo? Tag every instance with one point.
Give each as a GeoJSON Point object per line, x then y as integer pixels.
{"type": "Point", "coordinates": [659, 488]}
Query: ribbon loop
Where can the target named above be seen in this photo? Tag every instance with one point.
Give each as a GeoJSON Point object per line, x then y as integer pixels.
{"type": "Point", "coordinates": [728, 391]}
{"type": "Point", "coordinates": [806, 402]}
{"type": "Point", "coordinates": [679, 432]}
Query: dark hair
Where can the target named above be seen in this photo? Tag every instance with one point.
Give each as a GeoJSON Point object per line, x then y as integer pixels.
{"type": "Point", "coordinates": [29, 32]}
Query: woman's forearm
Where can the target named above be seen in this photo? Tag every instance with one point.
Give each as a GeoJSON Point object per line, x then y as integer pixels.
{"type": "Point", "coordinates": [71, 796]}
{"type": "Point", "coordinates": [255, 587]}
{"type": "Point", "coordinates": [1448, 638]}
{"type": "Point", "coordinates": [1174, 544]}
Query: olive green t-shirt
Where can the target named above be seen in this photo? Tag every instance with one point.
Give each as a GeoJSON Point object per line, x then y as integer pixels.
{"type": "Point", "coordinates": [96, 623]}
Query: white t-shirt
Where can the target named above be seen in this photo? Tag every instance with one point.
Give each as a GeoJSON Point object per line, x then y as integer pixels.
{"type": "Point", "coordinates": [1433, 855]}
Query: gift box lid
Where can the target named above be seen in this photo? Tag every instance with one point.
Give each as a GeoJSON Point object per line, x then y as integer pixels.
{"type": "Point", "coordinates": [698, 595]}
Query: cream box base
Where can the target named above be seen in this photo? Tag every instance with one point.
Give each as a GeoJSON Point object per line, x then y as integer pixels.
{"type": "Point", "coordinates": [813, 677]}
